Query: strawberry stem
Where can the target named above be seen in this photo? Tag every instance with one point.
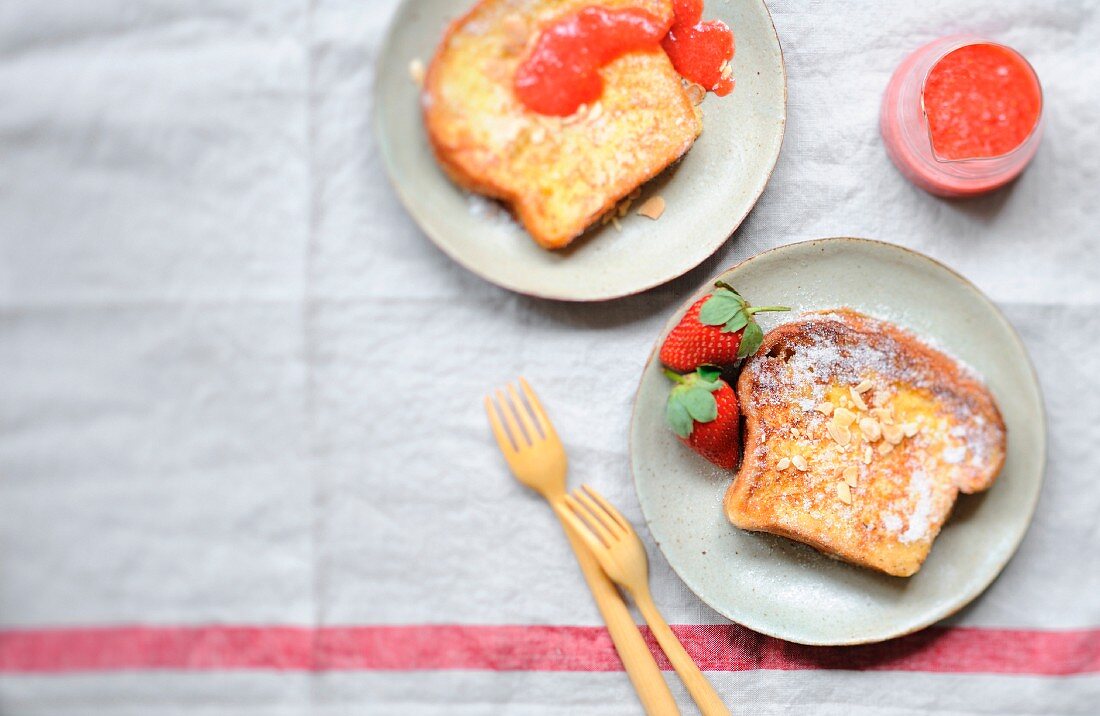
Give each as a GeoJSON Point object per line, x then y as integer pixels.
{"type": "Point", "coordinates": [673, 376]}
{"type": "Point", "coordinates": [758, 309]}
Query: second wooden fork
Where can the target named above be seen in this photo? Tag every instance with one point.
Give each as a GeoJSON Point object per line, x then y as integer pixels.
{"type": "Point", "coordinates": [622, 555]}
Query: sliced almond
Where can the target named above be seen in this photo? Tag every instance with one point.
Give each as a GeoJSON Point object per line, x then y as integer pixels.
{"type": "Point", "coordinates": [727, 70]}
{"type": "Point", "coordinates": [884, 448]}
{"type": "Point", "coordinates": [783, 463]}
{"type": "Point", "coordinates": [910, 429]}
{"type": "Point", "coordinates": [515, 29]}
{"type": "Point", "coordinates": [843, 417]}
{"type": "Point", "coordinates": [653, 207]}
{"type": "Point", "coordinates": [551, 122]}
{"type": "Point", "coordinates": [844, 492]}
{"type": "Point", "coordinates": [695, 92]}
{"type": "Point", "coordinates": [595, 112]}
{"type": "Point", "coordinates": [577, 115]}
{"type": "Point", "coordinates": [864, 386]}
{"type": "Point", "coordinates": [825, 408]}
{"type": "Point", "coordinates": [795, 432]}
{"type": "Point", "coordinates": [416, 72]}
{"type": "Point", "coordinates": [851, 474]}
{"type": "Point", "coordinates": [868, 454]}
{"type": "Point", "coordinates": [800, 463]}
{"type": "Point", "coordinates": [840, 433]}
{"type": "Point", "coordinates": [892, 434]}
{"type": "Point", "coordinates": [857, 399]}
{"type": "Point", "coordinates": [883, 415]}
{"type": "Point", "coordinates": [870, 429]}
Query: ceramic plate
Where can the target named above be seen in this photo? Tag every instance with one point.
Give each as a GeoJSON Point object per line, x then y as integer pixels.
{"type": "Point", "coordinates": [708, 193]}
{"type": "Point", "coordinates": [788, 590]}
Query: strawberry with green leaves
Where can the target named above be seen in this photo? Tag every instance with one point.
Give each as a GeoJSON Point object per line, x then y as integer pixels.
{"type": "Point", "coordinates": [703, 411]}
{"type": "Point", "coordinates": [718, 329]}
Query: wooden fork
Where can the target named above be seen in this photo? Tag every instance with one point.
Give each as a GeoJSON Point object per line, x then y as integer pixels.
{"type": "Point", "coordinates": [537, 459]}
{"type": "Point", "coordinates": [622, 555]}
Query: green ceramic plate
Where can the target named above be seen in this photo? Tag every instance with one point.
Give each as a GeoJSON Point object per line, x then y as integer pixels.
{"type": "Point", "coordinates": [788, 590]}
{"type": "Point", "coordinates": [708, 193]}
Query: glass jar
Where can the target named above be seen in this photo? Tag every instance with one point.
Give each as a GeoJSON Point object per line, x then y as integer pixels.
{"type": "Point", "coordinates": [905, 129]}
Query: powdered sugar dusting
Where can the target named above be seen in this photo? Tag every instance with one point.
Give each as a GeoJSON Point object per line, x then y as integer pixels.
{"type": "Point", "coordinates": [920, 519]}
{"type": "Point", "coordinates": [820, 359]}
{"type": "Point", "coordinates": [901, 490]}
{"type": "Point", "coordinates": [954, 454]}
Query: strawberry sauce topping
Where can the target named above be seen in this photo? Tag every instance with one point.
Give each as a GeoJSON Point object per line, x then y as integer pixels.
{"type": "Point", "coordinates": [699, 50]}
{"type": "Point", "coordinates": [562, 71]}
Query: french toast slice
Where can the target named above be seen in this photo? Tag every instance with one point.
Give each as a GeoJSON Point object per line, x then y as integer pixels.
{"type": "Point", "coordinates": [558, 175]}
{"type": "Point", "coordinates": [858, 439]}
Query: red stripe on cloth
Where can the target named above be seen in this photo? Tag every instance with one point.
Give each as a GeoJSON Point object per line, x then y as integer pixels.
{"type": "Point", "coordinates": [156, 647]}
{"type": "Point", "coordinates": [722, 647]}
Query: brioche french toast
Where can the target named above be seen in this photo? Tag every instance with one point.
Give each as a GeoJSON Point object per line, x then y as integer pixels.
{"type": "Point", "coordinates": [859, 438]}
{"type": "Point", "coordinates": [558, 175]}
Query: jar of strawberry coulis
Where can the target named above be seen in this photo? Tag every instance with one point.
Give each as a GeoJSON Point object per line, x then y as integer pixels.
{"type": "Point", "coordinates": [962, 116]}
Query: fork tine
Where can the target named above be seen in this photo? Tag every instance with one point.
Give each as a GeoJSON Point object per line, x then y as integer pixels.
{"type": "Point", "coordinates": [593, 522]}
{"type": "Point", "coordinates": [618, 516]}
{"type": "Point", "coordinates": [601, 514]}
{"type": "Point", "coordinates": [544, 423]}
{"type": "Point", "coordinates": [504, 440]}
{"type": "Point", "coordinates": [524, 415]}
{"type": "Point", "coordinates": [510, 420]}
{"type": "Point", "coordinates": [582, 529]}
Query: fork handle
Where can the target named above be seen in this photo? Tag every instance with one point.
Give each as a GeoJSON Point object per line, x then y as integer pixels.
{"type": "Point", "coordinates": [701, 690]}
{"type": "Point", "coordinates": [640, 666]}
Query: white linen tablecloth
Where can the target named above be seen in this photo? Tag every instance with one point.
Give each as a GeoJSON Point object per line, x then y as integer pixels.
{"type": "Point", "coordinates": [240, 420]}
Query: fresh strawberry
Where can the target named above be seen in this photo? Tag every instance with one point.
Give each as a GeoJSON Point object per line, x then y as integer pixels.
{"type": "Point", "coordinates": [718, 329]}
{"type": "Point", "coordinates": [704, 413]}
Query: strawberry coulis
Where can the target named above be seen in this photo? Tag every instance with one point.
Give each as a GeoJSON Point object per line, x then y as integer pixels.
{"type": "Point", "coordinates": [981, 100]}
{"type": "Point", "coordinates": [698, 49]}
{"type": "Point", "coordinates": [562, 71]}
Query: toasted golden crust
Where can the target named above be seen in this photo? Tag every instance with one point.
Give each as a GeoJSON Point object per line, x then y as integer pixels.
{"type": "Point", "coordinates": [874, 492]}
{"type": "Point", "coordinates": [558, 175]}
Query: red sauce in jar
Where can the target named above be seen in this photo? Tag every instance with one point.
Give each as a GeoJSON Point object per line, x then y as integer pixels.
{"type": "Point", "coordinates": [698, 49]}
{"type": "Point", "coordinates": [562, 71]}
{"type": "Point", "coordinates": [981, 101]}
